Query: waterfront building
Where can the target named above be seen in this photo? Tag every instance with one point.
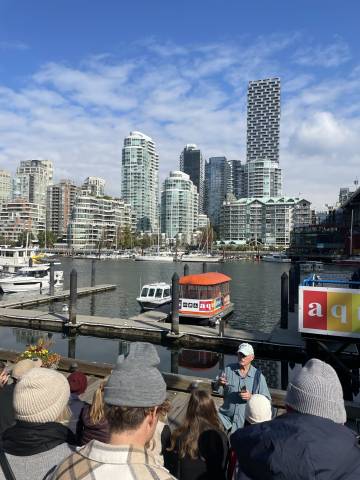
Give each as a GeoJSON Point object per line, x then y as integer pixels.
{"type": "Point", "coordinates": [96, 222]}
{"type": "Point", "coordinates": [19, 216]}
{"type": "Point", "coordinates": [192, 163]}
{"type": "Point", "coordinates": [218, 184]}
{"type": "Point", "coordinates": [60, 202]}
{"type": "Point", "coordinates": [262, 178]}
{"type": "Point", "coordinates": [94, 186]}
{"type": "Point", "coordinates": [5, 186]}
{"type": "Point", "coordinates": [179, 207]}
{"type": "Point", "coordinates": [140, 179]}
{"type": "Point", "coordinates": [32, 180]}
{"type": "Point", "coordinates": [237, 175]}
{"type": "Point", "coordinates": [267, 221]}
{"type": "Point", "coordinates": [203, 221]}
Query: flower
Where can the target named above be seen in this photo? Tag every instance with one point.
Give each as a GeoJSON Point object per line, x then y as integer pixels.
{"type": "Point", "coordinates": [42, 351]}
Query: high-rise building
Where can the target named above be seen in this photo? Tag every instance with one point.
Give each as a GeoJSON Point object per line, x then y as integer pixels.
{"type": "Point", "coordinates": [262, 174]}
{"type": "Point", "coordinates": [60, 201]}
{"type": "Point", "coordinates": [263, 120]}
{"type": "Point", "coordinates": [32, 180]}
{"type": "Point", "coordinates": [262, 178]}
{"type": "Point", "coordinates": [96, 222]}
{"type": "Point", "coordinates": [266, 221]}
{"type": "Point", "coordinates": [192, 163]}
{"type": "Point", "coordinates": [140, 179]}
{"type": "Point", "coordinates": [19, 216]}
{"type": "Point", "coordinates": [5, 186]}
{"type": "Point", "coordinates": [94, 186]}
{"type": "Point", "coordinates": [179, 207]}
{"type": "Point", "coordinates": [218, 184]}
{"type": "Point", "coordinates": [237, 174]}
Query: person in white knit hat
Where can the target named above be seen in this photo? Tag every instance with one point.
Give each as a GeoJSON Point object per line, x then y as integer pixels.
{"type": "Point", "coordinates": [257, 410]}
{"type": "Point", "coordinates": [39, 440]}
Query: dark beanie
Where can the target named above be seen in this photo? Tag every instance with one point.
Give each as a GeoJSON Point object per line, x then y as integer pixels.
{"type": "Point", "coordinates": [77, 382]}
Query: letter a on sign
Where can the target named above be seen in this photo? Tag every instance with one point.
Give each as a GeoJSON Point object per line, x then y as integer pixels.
{"type": "Point", "coordinates": [314, 309]}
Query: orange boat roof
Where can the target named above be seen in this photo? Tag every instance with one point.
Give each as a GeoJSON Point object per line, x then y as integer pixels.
{"type": "Point", "coordinates": [209, 278]}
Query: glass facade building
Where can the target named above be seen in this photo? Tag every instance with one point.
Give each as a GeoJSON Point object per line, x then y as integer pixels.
{"type": "Point", "coordinates": [192, 163]}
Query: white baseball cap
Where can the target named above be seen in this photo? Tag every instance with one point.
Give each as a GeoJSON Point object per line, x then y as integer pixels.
{"type": "Point", "coordinates": [246, 349]}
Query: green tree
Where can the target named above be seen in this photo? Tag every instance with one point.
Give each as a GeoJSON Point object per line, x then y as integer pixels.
{"type": "Point", "coordinates": [22, 238]}
{"type": "Point", "coordinates": [48, 238]}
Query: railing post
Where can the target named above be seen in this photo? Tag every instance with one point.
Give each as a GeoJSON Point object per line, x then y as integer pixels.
{"type": "Point", "coordinates": [221, 327]}
{"type": "Point", "coordinates": [284, 301]}
{"type": "Point", "coordinates": [292, 289]}
{"type": "Point", "coordinates": [186, 269]}
{"type": "Point", "coordinates": [93, 272]}
{"type": "Point", "coordinates": [204, 267]}
{"type": "Point", "coordinates": [73, 297]}
{"type": "Point", "coordinates": [175, 304]}
{"type": "Point", "coordinates": [51, 286]}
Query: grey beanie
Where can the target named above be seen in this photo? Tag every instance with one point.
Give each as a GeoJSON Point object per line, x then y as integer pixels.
{"type": "Point", "coordinates": [316, 390]}
{"type": "Point", "coordinates": [136, 380]}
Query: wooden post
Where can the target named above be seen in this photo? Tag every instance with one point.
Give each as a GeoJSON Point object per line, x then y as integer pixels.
{"type": "Point", "coordinates": [284, 301]}
{"type": "Point", "coordinates": [51, 286]}
{"type": "Point", "coordinates": [174, 361]}
{"type": "Point", "coordinates": [186, 269]}
{"type": "Point", "coordinates": [221, 327]}
{"type": "Point", "coordinates": [297, 282]}
{"type": "Point", "coordinates": [292, 289]}
{"type": "Point", "coordinates": [204, 267]}
{"type": "Point", "coordinates": [284, 374]}
{"type": "Point", "coordinates": [73, 297]}
{"type": "Point", "coordinates": [93, 272]}
{"type": "Point", "coordinates": [175, 304]}
{"type": "Point", "coordinates": [72, 346]}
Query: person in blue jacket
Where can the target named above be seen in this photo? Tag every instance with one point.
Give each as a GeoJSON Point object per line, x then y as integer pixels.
{"type": "Point", "coordinates": [310, 441]}
{"type": "Point", "coordinates": [238, 383]}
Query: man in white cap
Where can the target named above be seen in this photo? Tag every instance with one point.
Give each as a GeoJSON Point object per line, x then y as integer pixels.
{"type": "Point", "coordinates": [238, 383]}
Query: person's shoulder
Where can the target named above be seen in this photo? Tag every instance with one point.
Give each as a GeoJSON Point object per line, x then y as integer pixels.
{"type": "Point", "coordinates": [232, 366]}
{"type": "Point", "coordinates": [71, 466]}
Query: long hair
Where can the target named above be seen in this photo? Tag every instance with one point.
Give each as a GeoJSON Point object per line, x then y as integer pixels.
{"type": "Point", "coordinates": [200, 415]}
{"type": "Point", "coordinates": [97, 409]}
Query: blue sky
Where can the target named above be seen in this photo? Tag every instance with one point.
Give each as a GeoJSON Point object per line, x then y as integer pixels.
{"type": "Point", "coordinates": [76, 77]}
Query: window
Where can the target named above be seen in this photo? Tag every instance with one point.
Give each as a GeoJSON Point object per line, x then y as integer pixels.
{"type": "Point", "coordinates": [144, 292]}
{"type": "Point", "coordinates": [151, 292]}
{"type": "Point", "coordinates": [167, 292]}
{"type": "Point", "coordinates": [158, 293]}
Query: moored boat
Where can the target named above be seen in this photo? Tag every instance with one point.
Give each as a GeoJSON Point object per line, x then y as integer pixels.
{"type": "Point", "coordinates": [35, 278]}
{"type": "Point", "coordinates": [154, 295]}
{"type": "Point", "coordinates": [154, 258]}
{"type": "Point", "coordinates": [201, 257]}
{"type": "Point", "coordinates": [276, 258]}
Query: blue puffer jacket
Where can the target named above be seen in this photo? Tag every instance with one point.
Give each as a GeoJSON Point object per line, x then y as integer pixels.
{"type": "Point", "coordinates": [297, 447]}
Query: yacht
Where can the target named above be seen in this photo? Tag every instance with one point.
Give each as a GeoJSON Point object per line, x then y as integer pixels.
{"type": "Point", "coordinates": [276, 257]}
{"type": "Point", "coordinates": [201, 257]}
{"type": "Point", "coordinates": [154, 295]}
{"type": "Point", "coordinates": [14, 258]}
{"type": "Point", "coordinates": [154, 258]}
{"type": "Point", "coordinates": [36, 278]}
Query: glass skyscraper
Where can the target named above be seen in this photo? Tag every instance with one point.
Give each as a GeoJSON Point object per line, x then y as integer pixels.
{"type": "Point", "coordinates": [192, 163]}
{"type": "Point", "coordinates": [218, 183]}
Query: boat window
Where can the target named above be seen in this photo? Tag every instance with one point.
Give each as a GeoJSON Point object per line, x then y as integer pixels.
{"type": "Point", "coordinates": [144, 292]}
{"type": "Point", "coordinates": [158, 293]}
{"type": "Point", "coordinates": [167, 292]}
{"type": "Point", "coordinates": [151, 292]}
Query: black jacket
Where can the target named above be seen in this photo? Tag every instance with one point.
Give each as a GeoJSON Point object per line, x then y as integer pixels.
{"type": "Point", "coordinates": [7, 416]}
{"type": "Point", "coordinates": [297, 447]}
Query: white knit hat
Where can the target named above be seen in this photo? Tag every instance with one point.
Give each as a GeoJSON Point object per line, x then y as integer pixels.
{"type": "Point", "coordinates": [258, 409]}
{"type": "Point", "coordinates": [41, 396]}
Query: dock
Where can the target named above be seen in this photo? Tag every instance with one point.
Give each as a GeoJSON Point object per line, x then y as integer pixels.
{"type": "Point", "coordinates": [39, 299]}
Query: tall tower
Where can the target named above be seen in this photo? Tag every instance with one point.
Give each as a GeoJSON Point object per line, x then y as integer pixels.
{"type": "Point", "coordinates": [140, 179]}
{"type": "Point", "coordinates": [179, 207]}
{"type": "Point", "coordinates": [218, 183]}
{"type": "Point", "coordinates": [32, 180]}
{"type": "Point", "coordinates": [192, 163]}
{"type": "Point", "coordinates": [262, 172]}
{"type": "Point", "coordinates": [60, 202]}
{"type": "Point", "coordinates": [5, 186]}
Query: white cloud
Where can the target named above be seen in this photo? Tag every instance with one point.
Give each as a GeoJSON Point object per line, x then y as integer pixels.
{"type": "Point", "coordinates": [78, 115]}
{"type": "Point", "coordinates": [326, 56]}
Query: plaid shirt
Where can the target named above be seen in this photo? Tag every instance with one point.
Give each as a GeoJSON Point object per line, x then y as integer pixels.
{"type": "Point", "coordinates": [100, 461]}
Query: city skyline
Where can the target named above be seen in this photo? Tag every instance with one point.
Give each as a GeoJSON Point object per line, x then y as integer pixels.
{"type": "Point", "coordinates": [75, 105]}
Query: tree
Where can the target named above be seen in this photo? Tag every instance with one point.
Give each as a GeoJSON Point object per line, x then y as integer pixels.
{"type": "Point", "coordinates": [47, 238]}
{"type": "Point", "coordinates": [23, 237]}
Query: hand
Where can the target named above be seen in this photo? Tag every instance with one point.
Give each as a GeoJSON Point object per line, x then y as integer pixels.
{"type": "Point", "coordinates": [4, 377]}
{"type": "Point", "coordinates": [223, 380]}
{"type": "Point", "coordinates": [245, 395]}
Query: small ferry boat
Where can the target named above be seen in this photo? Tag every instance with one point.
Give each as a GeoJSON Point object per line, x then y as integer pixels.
{"type": "Point", "coordinates": [154, 295]}
{"type": "Point", "coordinates": [276, 258]}
{"type": "Point", "coordinates": [31, 278]}
{"type": "Point", "coordinates": [205, 297]}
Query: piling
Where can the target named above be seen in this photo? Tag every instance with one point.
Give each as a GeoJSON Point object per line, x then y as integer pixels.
{"type": "Point", "coordinates": [174, 361]}
{"type": "Point", "coordinates": [297, 282]}
{"type": "Point", "coordinates": [52, 286]}
{"type": "Point", "coordinates": [284, 301]}
{"type": "Point", "coordinates": [292, 289]}
{"type": "Point", "coordinates": [73, 297]}
{"type": "Point", "coordinates": [175, 304]}
{"type": "Point", "coordinates": [221, 327]}
{"type": "Point", "coordinates": [186, 269]}
{"type": "Point", "coordinates": [204, 267]}
{"type": "Point", "coordinates": [93, 272]}
{"type": "Point", "coordinates": [284, 374]}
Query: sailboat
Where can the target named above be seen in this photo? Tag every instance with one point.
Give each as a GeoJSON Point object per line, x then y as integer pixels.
{"type": "Point", "coordinates": [158, 256]}
{"type": "Point", "coordinates": [201, 256]}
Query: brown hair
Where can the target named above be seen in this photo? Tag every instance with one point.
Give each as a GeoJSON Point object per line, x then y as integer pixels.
{"type": "Point", "coordinates": [97, 409]}
{"type": "Point", "coordinates": [122, 419]}
{"type": "Point", "coordinates": [200, 415]}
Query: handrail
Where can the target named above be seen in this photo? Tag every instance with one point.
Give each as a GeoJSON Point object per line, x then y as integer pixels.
{"type": "Point", "coordinates": [316, 281]}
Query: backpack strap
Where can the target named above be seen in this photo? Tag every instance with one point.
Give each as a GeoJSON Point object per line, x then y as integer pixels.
{"type": "Point", "coordinates": [256, 384]}
{"type": "Point", "coordinates": [5, 466]}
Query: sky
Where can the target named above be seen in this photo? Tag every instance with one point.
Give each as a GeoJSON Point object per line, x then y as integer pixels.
{"type": "Point", "coordinates": [77, 76]}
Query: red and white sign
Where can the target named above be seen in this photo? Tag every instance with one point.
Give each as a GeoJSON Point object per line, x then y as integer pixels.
{"type": "Point", "coordinates": [329, 311]}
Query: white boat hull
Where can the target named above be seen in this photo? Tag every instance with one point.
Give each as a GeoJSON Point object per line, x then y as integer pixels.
{"type": "Point", "coordinates": [153, 258]}
{"type": "Point", "coordinates": [201, 258]}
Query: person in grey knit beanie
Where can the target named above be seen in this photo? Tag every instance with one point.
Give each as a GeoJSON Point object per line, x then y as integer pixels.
{"type": "Point", "coordinates": [316, 390]}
